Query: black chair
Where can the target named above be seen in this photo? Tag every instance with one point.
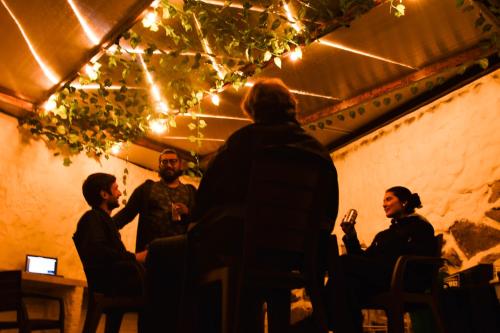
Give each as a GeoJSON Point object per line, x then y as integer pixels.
{"type": "Point", "coordinates": [284, 220]}
{"type": "Point", "coordinates": [114, 307]}
{"type": "Point", "coordinates": [398, 299]}
{"type": "Point", "coordinates": [12, 299]}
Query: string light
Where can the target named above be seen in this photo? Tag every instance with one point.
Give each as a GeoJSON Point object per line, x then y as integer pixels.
{"type": "Point", "coordinates": [50, 104]}
{"type": "Point", "coordinates": [92, 70]}
{"type": "Point", "coordinates": [218, 68]}
{"type": "Point", "coordinates": [85, 26]}
{"type": "Point", "coordinates": [163, 108]}
{"type": "Point", "coordinates": [215, 99]}
{"type": "Point", "coordinates": [291, 19]}
{"type": "Point", "coordinates": [296, 54]}
{"type": "Point", "coordinates": [46, 70]}
{"type": "Point", "coordinates": [158, 126]}
{"type": "Point", "coordinates": [150, 21]}
{"type": "Point", "coordinates": [116, 148]}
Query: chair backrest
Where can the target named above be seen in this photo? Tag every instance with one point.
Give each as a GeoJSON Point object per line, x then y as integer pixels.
{"type": "Point", "coordinates": [286, 208]}
{"type": "Point", "coordinates": [10, 290]}
{"type": "Point", "coordinates": [439, 244]}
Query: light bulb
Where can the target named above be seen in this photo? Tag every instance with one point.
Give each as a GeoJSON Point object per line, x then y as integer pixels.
{"type": "Point", "coordinates": [149, 20]}
{"type": "Point", "coordinates": [115, 149]}
{"type": "Point", "coordinates": [158, 126]}
{"type": "Point", "coordinates": [215, 100]}
{"type": "Point", "coordinates": [50, 104]}
{"type": "Point", "coordinates": [296, 54]}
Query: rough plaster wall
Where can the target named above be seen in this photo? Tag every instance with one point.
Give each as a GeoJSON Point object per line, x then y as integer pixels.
{"type": "Point", "coordinates": [41, 202]}
{"type": "Point", "coordinates": [448, 152]}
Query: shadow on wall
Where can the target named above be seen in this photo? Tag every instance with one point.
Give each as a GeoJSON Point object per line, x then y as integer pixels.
{"type": "Point", "coordinates": [477, 242]}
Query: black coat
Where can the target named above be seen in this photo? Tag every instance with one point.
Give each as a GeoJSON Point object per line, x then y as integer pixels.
{"type": "Point", "coordinates": [105, 260]}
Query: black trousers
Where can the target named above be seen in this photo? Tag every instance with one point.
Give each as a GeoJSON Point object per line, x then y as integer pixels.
{"type": "Point", "coordinates": [353, 280]}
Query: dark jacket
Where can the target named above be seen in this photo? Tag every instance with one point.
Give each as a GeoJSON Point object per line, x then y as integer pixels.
{"type": "Point", "coordinates": [101, 250]}
{"type": "Point", "coordinates": [226, 180]}
{"type": "Point", "coordinates": [410, 235]}
{"type": "Point", "coordinates": [153, 202]}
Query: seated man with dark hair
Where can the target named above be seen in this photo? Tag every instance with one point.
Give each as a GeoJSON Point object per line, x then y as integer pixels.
{"type": "Point", "coordinates": [109, 267]}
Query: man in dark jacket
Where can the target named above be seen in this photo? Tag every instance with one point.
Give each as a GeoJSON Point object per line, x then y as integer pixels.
{"type": "Point", "coordinates": [109, 267]}
{"type": "Point", "coordinates": [163, 206]}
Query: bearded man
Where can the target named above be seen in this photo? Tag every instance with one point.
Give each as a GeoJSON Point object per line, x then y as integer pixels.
{"type": "Point", "coordinates": [163, 206]}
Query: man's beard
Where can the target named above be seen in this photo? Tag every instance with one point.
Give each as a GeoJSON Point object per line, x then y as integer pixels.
{"type": "Point", "coordinates": [168, 176]}
{"type": "Point", "coordinates": [113, 204]}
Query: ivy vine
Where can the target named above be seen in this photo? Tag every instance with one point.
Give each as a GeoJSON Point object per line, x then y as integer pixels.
{"type": "Point", "coordinates": [191, 51]}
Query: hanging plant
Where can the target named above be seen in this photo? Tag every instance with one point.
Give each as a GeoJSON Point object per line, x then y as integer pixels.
{"type": "Point", "coordinates": [180, 55]}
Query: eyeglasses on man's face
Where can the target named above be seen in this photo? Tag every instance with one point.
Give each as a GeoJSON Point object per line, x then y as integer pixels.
{"type": "Point", "coordinates": [167, 161]}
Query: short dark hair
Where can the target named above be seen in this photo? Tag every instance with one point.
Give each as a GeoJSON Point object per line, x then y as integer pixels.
{"type": "Point", "coordinates": [168, 151]}
{"type": "Point", "coordinates": [404, 195]}
{"type": "Point", "coordinates": [270, 101]}
{"type": "Point", "coordinates": [94, 184]}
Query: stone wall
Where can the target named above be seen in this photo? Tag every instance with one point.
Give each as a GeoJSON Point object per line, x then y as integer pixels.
{"type": "Point", "coordinates": [41, 202]}
{"type": "Point", "coordinates": [448, 152]}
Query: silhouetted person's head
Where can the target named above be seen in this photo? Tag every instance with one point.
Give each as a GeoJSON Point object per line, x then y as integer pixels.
{"type": "Point", "coordinates": [270, 101]}
{"type": "Point", "coordinates": [101, 191]}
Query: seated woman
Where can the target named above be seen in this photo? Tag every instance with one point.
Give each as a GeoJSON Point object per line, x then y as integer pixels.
{"type": "Point", "coordinates": [362, 273]}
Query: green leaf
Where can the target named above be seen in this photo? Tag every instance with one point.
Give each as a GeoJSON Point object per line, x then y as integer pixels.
{"type": "Point", "coordinates": [361, 110]}
{"type": "Point", "coordinates": [340, 117]}
{"type": "Point", "coordinates": [414, 89]}
{"type": "Point", "coordinates": [276, 24]}
{"type": "Point", "coordinates": [352, 114]}
{"type": "Point", "coordinates": [277, 62]}
{"type": "Point", "coordinates": [484, 63]}
{"type": "Point", "coordinates": [191, 126]}
{"type": "Point", "coordinates": [479, 21]}
{"type": "Point", "coordinates": [202, 124]}
{"type": "Point", "coordinates": [321, 125]}
{"type": "Point", "coordinates": [67, 161]}
{"type": "Point", "coordinates": [487, 27]}
{"type": "Point", "coordinates": [376, 103]}
{"type": "Point", "coordinates": [459, 3]}
{"type": "Point", "coordinates": [312, 127]}
{"type": "Point", "coordinates": [387, 101]}
{"type": "Point", "coordinates": [267, 56]}
{"type": "Point", "coordinates": [398, 97]}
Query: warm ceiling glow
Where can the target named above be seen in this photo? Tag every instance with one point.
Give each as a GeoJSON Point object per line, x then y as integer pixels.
{"type": "Point", "coordinates": [349, 49]}
{"type": "Point", "coordinates": [215, 99]}
{"type": "Point", "coordinates": [218, 68]}
{"type": "Point", "coordinates": [302, 92]}
{"type": "Point", "coordinates": [112, 49]}
{"type": "Point", "coordinates": [50, 104]}
{"type": "Point", "coordinates": [296, 54]}
{"type": "Point", "coordinates": [150, 21]}
{"type": "Point", "coordinates": [85, 26]}
{"type": "Point", "coordinates": [291, 19]}
{"type": "Point", "coordinates": [158, 126]}
{"type": "Point", "coordinates": [92, 70]}
{"type": "Point", "coordinates": [46, 70]}
{"type": "Point", "coordinates": [155, 3]}
{"type": "Point", "coordinates": [213, 116]}
{"type": "Point", "coordinates": [116, 148]}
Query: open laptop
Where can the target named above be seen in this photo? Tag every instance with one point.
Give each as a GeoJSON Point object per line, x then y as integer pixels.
{"type": "Point", "coordinates": [41, 265]}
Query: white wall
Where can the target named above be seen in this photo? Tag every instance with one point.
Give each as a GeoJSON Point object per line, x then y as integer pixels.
{"type": "Point", "coordinates": [448, 152]}
{"type": "Point", "coordinates": [41, 203]}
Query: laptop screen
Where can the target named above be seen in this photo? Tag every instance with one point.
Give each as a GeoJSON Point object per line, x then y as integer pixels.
{"type": "Point", "coordinates": [42, 265]}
